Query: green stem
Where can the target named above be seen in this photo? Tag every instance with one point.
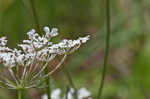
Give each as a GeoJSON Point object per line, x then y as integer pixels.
{"type": "Point", "coordinates": [48, 89]}
{"type": "Point", "coordinates": [106, 49]}
{"type": "Point", "coordinates": [71, 82]}
{"type": "Point", "coordinates": [67, 90]}
{"type": "Point", "coordinates": [142, 89]}
{"type": "Point", "coordinates": [19, 94]}
{"type": "Point", "coordinates": [35, 16]}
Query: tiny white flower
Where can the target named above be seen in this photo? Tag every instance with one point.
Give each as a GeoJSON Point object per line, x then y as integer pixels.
{"type": "Point", "coordinates": [3, 41]}
{"type": "Point", "coordinates": [46, 29]}
{"type": "Point", "coordinates": [83, 93]}
{"type": "Point", "coordinates": [44, 97]}
{"type": "Point", "coordinates": [84, 39]}
{"type": "Point", "coordinates": [54, 32]}
{"type": "Point", "coordinates": [56, 94]}
{"type": "Point", "coordinates": [70, 93]}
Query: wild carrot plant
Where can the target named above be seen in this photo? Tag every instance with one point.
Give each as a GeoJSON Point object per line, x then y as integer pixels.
{"type": "Point", "coordinates": [24, 67]}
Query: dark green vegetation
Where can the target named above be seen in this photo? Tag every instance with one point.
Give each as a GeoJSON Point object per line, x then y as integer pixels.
{"type": "Point", "coordinates": [128, 74]}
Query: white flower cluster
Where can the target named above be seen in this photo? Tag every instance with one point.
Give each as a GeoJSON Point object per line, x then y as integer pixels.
{"type": "Point", "coordinates": [36, 52]}
{"type": "Point", "coordinates": [82, 93]}
{"type": "Point", "coordinates": [37, 47]}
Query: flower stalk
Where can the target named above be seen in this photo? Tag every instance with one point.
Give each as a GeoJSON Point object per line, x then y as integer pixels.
{"type": "Point", "coordinates": [71, 83]}
{"type": "Point", "coordinates": [19, 94]}
{"type": "Point", "coordinates": [47, 81]}
{"type": "Point", "coordinates": [108, 31]}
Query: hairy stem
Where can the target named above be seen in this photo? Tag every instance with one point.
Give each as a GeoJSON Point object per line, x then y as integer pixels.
{"type": "Point", "coordinates": [106, 49]}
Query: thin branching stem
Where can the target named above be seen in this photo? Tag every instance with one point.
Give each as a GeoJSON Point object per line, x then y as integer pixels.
{"type": "Point", "coordinates": [47, 81]}
{"type": "Point", "coordinates": [42, 69]}
{"type": "Point", "coordinates": [106, 49]}
{"type": "Point", "coordinates": [33, 64]}
{"type": "Point", "coordinates": [59, 64]}
{"type": "Point", "coordinates": [71, 82]}
{"type": "Point", "coordinates": [69, 78]}
{"type": "Point", "coordinates": [13, 76]}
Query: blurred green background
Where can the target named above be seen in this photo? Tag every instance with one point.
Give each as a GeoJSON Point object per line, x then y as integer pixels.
{"type": "Point", "coordinates": [128, 74]}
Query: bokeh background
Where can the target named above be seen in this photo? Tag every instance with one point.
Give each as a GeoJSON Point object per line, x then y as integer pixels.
{"type": "Point", "coordinates": [128, 74]}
